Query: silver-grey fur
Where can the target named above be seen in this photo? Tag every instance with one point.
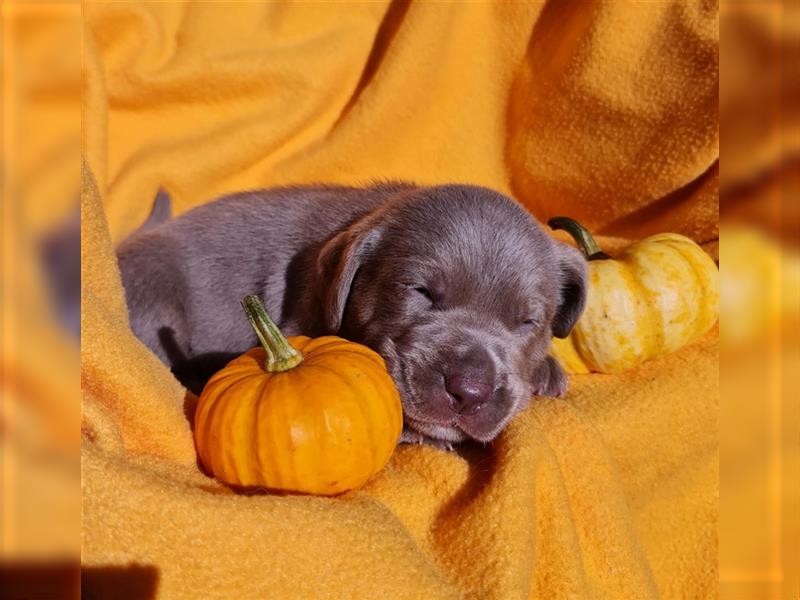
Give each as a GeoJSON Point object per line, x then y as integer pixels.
{"type": "Point", "coordinates": [456, 286]}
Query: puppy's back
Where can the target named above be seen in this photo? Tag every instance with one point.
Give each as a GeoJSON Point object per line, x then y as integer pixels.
{"type": "Point", "coordinates": [184, 278]}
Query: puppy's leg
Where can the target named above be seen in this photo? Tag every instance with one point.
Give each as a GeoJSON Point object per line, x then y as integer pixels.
{"type": "Point", "coordinates": [549, 379]}
{"type": "Point", "coordinates": [409, 436]}
{"type": "Point", "coordinates": [154, 291]}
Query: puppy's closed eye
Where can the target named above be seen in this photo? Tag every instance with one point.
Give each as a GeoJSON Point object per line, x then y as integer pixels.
{"type": "Point", "coordinates": [530, 321]}
{"type": "Point", "coordinates": [423, 291]}
{"type": "Point", "coordinates": [423, 297]}
{"type": "Point", "coordinates": [529, 326]}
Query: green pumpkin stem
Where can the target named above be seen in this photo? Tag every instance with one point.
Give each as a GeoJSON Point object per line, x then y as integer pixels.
{"type": "Point", "coordinates": [581, 235]}
{"type": "Point", "coordinates": [280, 354]}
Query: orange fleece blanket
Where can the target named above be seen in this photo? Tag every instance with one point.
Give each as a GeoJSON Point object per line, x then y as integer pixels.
{"type": "Point", "coordinates": [606, 112]}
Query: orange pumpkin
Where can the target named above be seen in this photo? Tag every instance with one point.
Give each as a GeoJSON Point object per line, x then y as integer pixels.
{"type": "Point", "coordinates": [318, 416]}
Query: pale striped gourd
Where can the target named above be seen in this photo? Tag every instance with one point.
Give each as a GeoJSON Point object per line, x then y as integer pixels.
{"type": "Point", "coordinates": [656, 296]}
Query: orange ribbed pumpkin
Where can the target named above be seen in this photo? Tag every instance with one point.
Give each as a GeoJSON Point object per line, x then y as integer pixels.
{"type": "Point", "coordinates": [318, 416]}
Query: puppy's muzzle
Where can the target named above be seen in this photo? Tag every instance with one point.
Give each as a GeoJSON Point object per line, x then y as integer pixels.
{"type": "Point", "coordinates": [469, 382]}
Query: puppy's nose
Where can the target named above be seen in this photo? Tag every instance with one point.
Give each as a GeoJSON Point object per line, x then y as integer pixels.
{"type": "Point", "coordinates": [467, 392]}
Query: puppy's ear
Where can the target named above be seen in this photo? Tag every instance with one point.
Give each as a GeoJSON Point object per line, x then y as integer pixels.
{"type": "Point", "coordinates": [339, 261]}
{"type": "Point", "coordinates": [573, 284]}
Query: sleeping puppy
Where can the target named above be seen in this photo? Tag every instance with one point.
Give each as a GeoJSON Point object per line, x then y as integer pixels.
{"type": "Point", "coordinates": [456, 286]}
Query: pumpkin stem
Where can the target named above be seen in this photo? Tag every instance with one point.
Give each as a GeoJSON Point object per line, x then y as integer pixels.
{"type": "Point", "coordinates": [281, 356]}
{"type": "Point", "coordinates": [581, 235]}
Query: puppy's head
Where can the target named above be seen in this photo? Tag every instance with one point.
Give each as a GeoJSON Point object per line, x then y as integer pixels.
{"type": "Point", "coordinates": [460, 290]}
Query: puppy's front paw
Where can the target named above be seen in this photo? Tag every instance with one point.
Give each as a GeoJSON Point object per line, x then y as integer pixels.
{"type": "Point", "coordinates": [549, 379]}
{"type": "Point", "coordinates": [409, 436]}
